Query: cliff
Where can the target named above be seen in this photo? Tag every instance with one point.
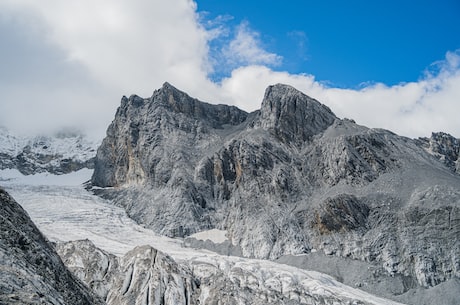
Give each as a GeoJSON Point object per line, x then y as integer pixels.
{"type": "Point", "coordinates": [286, 179]}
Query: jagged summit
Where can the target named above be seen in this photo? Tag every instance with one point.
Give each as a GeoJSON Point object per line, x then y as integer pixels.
{"type": "Point", "coordinates": [285, 111]}
{"type": "Point", "coordinates": [171, 99]}
{"type": "Point", "coordinates": [292, 115]}
{"type": "Point", "coordinates": [444, 147]}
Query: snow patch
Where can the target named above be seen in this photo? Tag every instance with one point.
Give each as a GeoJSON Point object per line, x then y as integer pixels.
{"type": "Point", "coordinates": [14, 177]}
{"type": "Point", "coordinates": [71, 146]}
{"type": "Point", "coordinates": [214, 235]}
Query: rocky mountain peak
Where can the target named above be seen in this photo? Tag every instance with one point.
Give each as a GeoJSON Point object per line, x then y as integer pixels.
{"type": "Point", "coordinates": [293, 116]}
{"type": "Point", "coordinates": [444, 147]}
{"type": "Point", "coordinates": [180, 102]}
{"type": "Point", "coordinates": [283, 180]}
{"type": "Point", "coordinates": [173, 100]}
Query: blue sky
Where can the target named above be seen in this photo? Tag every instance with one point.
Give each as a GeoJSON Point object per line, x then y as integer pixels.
{"type": "Point", "coordinates": [347, 43]}
{"type": "Point", "coordinates": [392, 64]}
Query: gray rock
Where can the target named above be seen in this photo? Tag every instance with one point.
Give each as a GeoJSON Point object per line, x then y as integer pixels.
{"type": "Point", "coordinates": [444, 147]}
{"type": "Point", "coordinates": [142, 276]}
{"type": "Point", "coordinates": [31, 272]}
{"type": "Point", "coordinates": [292, 116]}
{"type": "Point", "coordinates": [341, 214]}
{"type": "Point", "coordinates": [224, 248]}
{"type": "Point", "coordinates": [283, 180]}
{"type": "Point", "coordinates": [371, 277]}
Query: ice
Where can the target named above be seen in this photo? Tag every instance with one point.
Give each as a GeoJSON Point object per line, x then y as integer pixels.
{"type": "Point", "coordinates": [14, 177]}
{"type": "Point", "coordinates": [214, 235]}
{"type": "Point", "coordinates": [64, 211]}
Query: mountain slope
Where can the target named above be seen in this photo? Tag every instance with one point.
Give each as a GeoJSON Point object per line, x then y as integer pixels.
{"type": "Point", "coordinates": [31, 272]}
{"type": "Point", "coordinates": [139, 267]}
{"type": "Point", "coordinates": [287, 179]}
{"type": "Point", "coordinates": [444, 147]}
{"type": "Point", "coordinates": [62, 153]}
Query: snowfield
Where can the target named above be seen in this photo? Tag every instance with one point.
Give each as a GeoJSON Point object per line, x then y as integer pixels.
{"type": "Point", "coordinates": [68, 146]}
{"type": "Point", "coordinates": [64, 211]}
{"type": "Point", "coordinates": [214, 235]}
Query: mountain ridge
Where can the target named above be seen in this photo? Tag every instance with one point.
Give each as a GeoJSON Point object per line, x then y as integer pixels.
{"type": "Point", "coordinates": [283, 180]}
{"type": "Point", "coordinates": [31, 271]}
{"type": "Point", "coordinates": [58, 154]}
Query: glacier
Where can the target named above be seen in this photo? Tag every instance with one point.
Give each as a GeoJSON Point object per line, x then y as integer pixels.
{"type": "Point", "coordinates": [67, 212]}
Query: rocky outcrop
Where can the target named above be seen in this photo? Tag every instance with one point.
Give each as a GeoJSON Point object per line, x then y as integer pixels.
{"type": "Point", "coordinates": [147, 131]}
{"type": "Point", "coordinates": [31, 272]}
{"type": "Point", "coordinates": [285, 179]}
{"type": "Point", "coordinates": [341, 214]}
{"type": "Point", "coordinates": [142, 276]}
{"type": "Point", "coordinates": [148, 276]}
{"type": "Point", "coordinates": [62, 153]}
{"type": "Point", "coordinates": [444, 147]}
{"type": "Point", "coordinates": [291, 116]}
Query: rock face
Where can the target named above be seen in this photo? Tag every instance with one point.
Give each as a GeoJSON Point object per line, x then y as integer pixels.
{"type": "Point", "coordinates": [31, 272]}
{"type": "Point", "coordinates": [60, 154]}
{"type": "Point", "coordinates": [143, 276]}
{"type": "Point", "coordinates": [293, 117]}
{"type": "Point", "coordinates": [444, 147]}
{"type": "Point", "coordinates": [286, 179]}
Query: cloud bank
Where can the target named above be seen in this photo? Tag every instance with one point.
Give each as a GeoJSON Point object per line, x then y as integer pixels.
{"type": "Point", "coordinates": [69, 63]}
{"type": "Point", "coordinates": [412, 109]}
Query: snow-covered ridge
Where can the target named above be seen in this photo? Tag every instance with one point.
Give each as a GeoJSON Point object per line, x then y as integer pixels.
{"type": "Point", "coordinates": [60, 153]}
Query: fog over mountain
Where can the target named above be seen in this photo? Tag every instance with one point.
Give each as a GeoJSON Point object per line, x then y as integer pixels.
{"type": "Point", "coordinates": [66, 64]}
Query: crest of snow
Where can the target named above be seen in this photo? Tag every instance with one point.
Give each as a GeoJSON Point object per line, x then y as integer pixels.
{"type": "Point", "coordinates": [214, 235]}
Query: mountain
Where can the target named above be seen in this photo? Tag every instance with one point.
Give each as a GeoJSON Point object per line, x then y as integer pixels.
{"type": "Point", "coordinates": [62, 153]}
{"type": "Point", "coordinates": [288, 179]}
{"type": "Point", "coordinates": [31, 272]}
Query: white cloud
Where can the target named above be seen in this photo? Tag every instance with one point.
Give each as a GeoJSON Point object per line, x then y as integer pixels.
{"type": "Point", "coordinates": [246, 49]}
{"type": "Point", "coordinates": [301, 40]}
{"type": "Point", "coordinates": [122, 46]}
{"type": "Point", "coordinates": [124, 43]}
{"type": "Point", "coordinates": [411, 109]}
{"type": "Point", "coordinates": [97, 51]}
